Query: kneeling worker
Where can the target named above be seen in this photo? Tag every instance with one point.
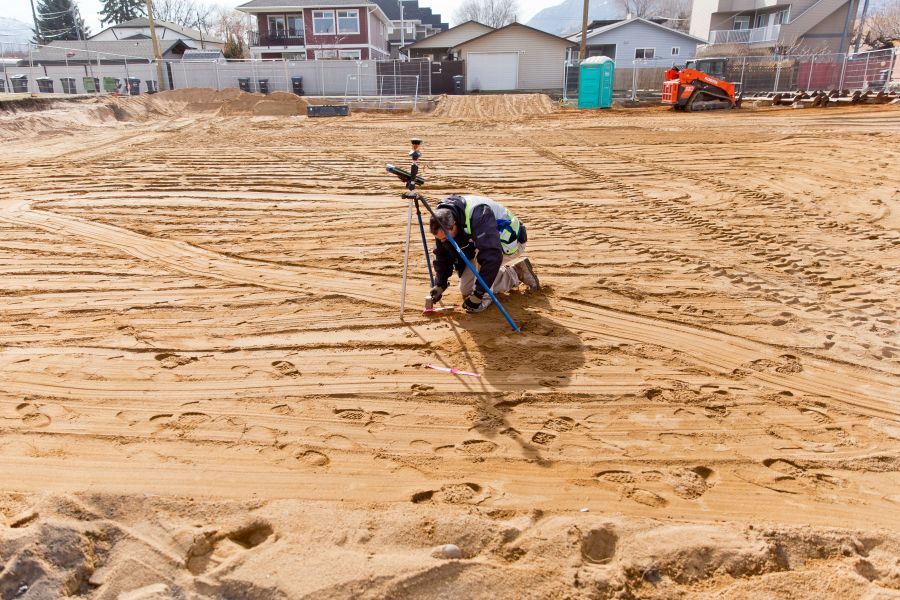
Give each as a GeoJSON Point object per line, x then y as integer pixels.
{"type": "Point", "coordinates": [491, 237]}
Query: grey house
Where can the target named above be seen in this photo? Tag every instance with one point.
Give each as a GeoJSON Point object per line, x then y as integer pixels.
{"type": "Point", "coordinates": [633, 39]}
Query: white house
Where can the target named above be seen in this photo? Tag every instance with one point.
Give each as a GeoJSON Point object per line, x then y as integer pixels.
{"type": "Point", "coordinates": [140, 29]}
{"type": "Point", "coordinates": [633, 39]}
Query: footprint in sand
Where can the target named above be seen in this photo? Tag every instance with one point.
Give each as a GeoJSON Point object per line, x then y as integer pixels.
{"type": "Point", "coordinates": [785, 364]}
{"type": "Point", "coordinates": [543, 438]}
{"type": "Point", "coordinates": [295, 456]}
{"type": "Point", "coordinates": [31, 416]}
{"type": "Point", "coordinates": [212, 549]}
{"type": "Point", "coordinates": [285, 368]}
{"type": "Point", "coordinates": [560, 424]}
{"type": "Point", "coordinates": [477, 447]}
{"type": "Point", "coordinates": [167, 360]}
{"type": "Point", "coordinates": [644, 487]}
{"type": "Point", "coordinates": [453, 493]}
{"type": "Point", "coordinates": [788, 477]}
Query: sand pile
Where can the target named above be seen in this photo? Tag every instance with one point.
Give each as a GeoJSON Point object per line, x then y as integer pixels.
{"type": "Point", "coordinates": [112, 547]}
{"type": "Point", "coordinates": [27, 117]}
{"type": "Point", "coordinates": [494, 107]}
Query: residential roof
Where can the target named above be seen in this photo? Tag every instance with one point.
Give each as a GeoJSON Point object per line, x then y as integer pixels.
{"type": "Point", "coordinates": [577, 36]}
{"type": "Point", "coordinates": [567, 42]}
{"type": "Point", "coordinates": [142, 22]}
{"type": "Point", "coordinates": [428, 42]}
{"type": "Point", "coordinates": [411, 12]}
{"type": "Point", "coordinates": [256, 6]}
{"type": "Point", "coordinates": [75, 51]}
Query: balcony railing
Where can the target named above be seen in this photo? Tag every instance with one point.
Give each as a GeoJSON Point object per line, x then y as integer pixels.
{"type": "Point", "coordinates": [275, 39]}
{"type": "Point", "coordinates": [745, 36]}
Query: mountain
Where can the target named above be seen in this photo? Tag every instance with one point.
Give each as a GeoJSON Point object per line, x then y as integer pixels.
{"type": "Point", "coordinates": [565, 18]}
{"type": "Point", "coordinates": [13, 31]}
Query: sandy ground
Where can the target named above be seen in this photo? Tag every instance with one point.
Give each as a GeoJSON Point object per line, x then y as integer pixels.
{"type": "Point", "coordinates": [206, 390]}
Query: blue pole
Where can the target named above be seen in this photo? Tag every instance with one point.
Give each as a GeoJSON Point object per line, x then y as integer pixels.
{"type": "Point", "coordinates": [462, 255]}
{"type": "Point", "coordinates": [424, 243]}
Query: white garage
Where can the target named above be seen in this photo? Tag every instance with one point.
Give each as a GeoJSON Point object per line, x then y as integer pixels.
{"type": "Point", "coordinates": [489, 71]}
{"type": "Point", "coordinates": [515, 57]}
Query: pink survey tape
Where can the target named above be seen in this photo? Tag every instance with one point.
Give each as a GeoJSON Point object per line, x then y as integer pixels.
{"type": "Point", "coordinates": [449, 370]}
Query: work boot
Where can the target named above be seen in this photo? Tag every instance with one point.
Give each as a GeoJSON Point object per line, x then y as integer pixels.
{"type": "Point", "coordinates": [526, 274]}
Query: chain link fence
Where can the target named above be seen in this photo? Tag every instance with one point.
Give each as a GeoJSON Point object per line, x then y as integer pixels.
{"type": "Point", "coordinates": [78, 71]}
{"type": "Point", "coordinates": [875, 70]}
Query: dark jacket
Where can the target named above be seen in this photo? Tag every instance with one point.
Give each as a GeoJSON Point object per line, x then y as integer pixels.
{"type": "Point", "coordinates": [483, 245]}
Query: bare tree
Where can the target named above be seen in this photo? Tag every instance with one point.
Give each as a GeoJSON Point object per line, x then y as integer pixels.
{"type": "Point", "coordinates": [187, 13]}
{"type": "Point", "coordinates": [640, 8]}
{"type": "Point", "coordinates": [883, 27]}
{"type": "Point", "coordinates": [226, 22]}
{"type": "Point", "coordinates": [676, 12]}
{"type": "Point", "coordinates": [493, 13]}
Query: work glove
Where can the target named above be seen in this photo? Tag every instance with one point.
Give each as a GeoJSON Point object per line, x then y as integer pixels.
{"type": "Point", "coordinates": [437, 293]}
{"type": "Point", "coordinates": [474, 304]}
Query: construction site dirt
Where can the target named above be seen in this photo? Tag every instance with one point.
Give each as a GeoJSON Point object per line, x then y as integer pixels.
{"type": "Point", "coordinates": [207, 390]}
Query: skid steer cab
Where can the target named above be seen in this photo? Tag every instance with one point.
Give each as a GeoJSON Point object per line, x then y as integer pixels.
{"type": "Point", "coordinates": [692, 90]}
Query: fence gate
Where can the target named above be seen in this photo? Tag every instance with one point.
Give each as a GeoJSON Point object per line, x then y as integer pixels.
{"type": "Point", "coordinates": [442, 75]}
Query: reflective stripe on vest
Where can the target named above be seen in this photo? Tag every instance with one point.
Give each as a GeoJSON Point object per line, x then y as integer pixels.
{"type": "Point", "coordinates": [507, 223]}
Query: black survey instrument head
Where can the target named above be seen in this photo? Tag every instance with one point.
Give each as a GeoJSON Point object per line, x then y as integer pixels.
{"type": "Point", "coordinates": [405, 176]}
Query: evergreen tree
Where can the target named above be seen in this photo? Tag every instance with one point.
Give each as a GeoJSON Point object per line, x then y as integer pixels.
{"type": "Point", "coordinates": [234, 47]}
{"type": "Point", "coordinates": [120, 11]}
{"type": "Point", "coordinates": [59, 20]}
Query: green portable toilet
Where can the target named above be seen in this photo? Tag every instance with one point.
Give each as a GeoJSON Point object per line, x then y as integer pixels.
{"type": "Point", "coordinates": [595, 88]}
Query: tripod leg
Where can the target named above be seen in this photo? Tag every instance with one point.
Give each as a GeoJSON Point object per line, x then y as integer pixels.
{"type": "Point", "coordinates": [406, 258]}
{"type": "Point", "coordinates": [424, 243]}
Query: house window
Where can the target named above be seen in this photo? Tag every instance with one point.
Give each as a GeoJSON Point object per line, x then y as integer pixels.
{"type": "Point", "coordinates": [323, 22]}
{"type": "Point", "coordinates": [276, 26]}
{"type": "Point", "coordinates": [676, 50]}
{"type": "Point", "coordinates": [294, 55]}
{"type": "Point", "coordinates": [349, 54]}
{"type": "Point", "coordinates": [326, 54]}
{"type": "Point", "coordinates": [741, 22]}
{"type": "Point", "coordinates": [348, 21]}
{"type": "Point", "coordinates": [295, 25]}
{"type": "Point", "coordinates": [782, 18]}
{"type": "Point", "coordinates": [644, 53]}
{"type": "Point", "coordinates": [761, 20]}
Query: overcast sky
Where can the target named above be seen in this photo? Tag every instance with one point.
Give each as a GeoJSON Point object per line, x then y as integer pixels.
{"type": "Point", "coordinates": [21, 9]}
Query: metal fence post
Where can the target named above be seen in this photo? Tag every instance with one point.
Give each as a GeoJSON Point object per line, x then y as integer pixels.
{"type": "Point", "coordinates": [866, 71]}
{"type": "Point", "coordinates": [218, 83]}
{"type": "Point", "coordinates": [633, 80]}
{"type": "Point", "coordinates": [743, 67]}
{"type": "Point", "coordinates": [777, 74]}
{"type": "Point", "coordinates": [843, 72]}
{"type": "Point", "coordinates": [812, 67]}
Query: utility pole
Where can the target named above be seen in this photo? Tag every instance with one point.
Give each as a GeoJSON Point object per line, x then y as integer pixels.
{"type": "Point", "coordinates": [37, 24]}
{"type": "Point", "coordinates": [584, 21]}
{"type": "Point", "coordinates": [862, 23]}
{"type": "Point", "coordinates": [156, 53]}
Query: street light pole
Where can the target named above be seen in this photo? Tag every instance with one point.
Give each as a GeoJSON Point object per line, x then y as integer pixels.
{"type": "Point", "coordinates": [402, 31]}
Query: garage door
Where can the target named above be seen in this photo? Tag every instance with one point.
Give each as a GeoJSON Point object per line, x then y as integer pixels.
{"type": "Point", "coordinates": [492, 70]}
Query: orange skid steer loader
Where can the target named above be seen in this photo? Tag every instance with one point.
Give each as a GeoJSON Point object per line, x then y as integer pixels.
{"type": "Point", "coordinates": [692, 90]}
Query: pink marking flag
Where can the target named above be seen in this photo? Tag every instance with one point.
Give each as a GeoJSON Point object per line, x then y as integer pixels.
{"type": "Point", "coordinates": [454, 371]}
